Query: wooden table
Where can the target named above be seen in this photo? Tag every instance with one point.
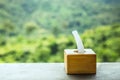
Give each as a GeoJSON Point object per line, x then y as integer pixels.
{"type": "Point", "coordinates": [55, 71]}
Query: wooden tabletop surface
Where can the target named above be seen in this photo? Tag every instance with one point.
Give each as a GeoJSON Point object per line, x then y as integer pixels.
{"type": "Point", "coordinates": [55, 71]}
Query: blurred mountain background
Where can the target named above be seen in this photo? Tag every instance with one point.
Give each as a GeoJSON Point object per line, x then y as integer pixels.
{"type": "Point", "coordinates": [40, 30]}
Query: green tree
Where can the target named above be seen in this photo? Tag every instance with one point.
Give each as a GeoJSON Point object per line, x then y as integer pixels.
{"type": "Point", "coordinates": [30, 27]}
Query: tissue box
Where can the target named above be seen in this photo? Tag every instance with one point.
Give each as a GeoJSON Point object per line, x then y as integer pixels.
{"type": "Point", "coordinates": [80, 63]}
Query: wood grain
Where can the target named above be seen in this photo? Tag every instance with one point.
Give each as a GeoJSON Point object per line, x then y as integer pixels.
{"type": "Point", "coordinates": [76, 63]}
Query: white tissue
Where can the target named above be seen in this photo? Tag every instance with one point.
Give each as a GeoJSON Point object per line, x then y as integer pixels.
{"type": "Point", "coordinates": [78, 40]}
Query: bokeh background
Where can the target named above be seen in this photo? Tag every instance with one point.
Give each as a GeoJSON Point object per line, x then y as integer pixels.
{"type": "Point", "coordinates": [40, 30]}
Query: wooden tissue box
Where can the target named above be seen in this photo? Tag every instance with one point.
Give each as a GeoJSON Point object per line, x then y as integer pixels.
{"type": "Point", "coordinates": [80, 63]}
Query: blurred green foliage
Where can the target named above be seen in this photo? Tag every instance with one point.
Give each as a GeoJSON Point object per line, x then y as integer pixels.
{"type": "Point", "coordinates": [59, 16]}
{"type": "Point", "coordinates": [40, 30]}
{"type": "Point", "coordinates": [105, 41]}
